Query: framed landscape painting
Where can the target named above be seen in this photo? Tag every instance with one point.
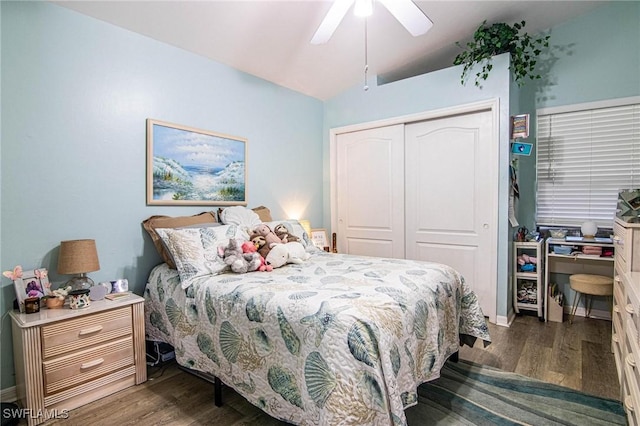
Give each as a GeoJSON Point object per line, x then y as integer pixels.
{"type": "Point", "coordinates": [187, 166]}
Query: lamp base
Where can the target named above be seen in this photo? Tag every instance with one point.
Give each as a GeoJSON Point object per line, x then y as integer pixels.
{"type": "Point", "coordinates": [81, 282]}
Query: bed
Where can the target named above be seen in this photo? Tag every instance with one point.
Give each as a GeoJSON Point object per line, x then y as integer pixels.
{"type": "Point", "coordinates": [336, 339]}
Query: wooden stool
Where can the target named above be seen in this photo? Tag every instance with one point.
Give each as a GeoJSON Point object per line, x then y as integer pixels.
{"type": "Point", "coordinates": [589, 285]}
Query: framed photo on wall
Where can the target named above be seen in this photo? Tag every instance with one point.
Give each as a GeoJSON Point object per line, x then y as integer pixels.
{"type": "Point", "coordinates": [520, 126]}
{"type": "Point", "coordinates": [188, 166]}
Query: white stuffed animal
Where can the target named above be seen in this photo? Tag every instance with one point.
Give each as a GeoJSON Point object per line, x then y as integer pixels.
{"type": "Point", "coordinates": [281, 254]}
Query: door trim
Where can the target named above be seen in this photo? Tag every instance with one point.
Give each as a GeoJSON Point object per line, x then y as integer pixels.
{"type": "Point", "coordinates": [492, 105]}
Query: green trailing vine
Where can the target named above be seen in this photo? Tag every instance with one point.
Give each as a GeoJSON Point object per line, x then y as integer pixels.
{"type": "Point", "coordinates": [500, 38]}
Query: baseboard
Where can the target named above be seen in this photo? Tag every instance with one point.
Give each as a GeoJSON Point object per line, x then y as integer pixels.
{"type": "Point", "coordinates": [8, 394]}
{"type": "Point", "coordinates": [595, 313]}
{"type": "Point", "coordinates": [505, 321]}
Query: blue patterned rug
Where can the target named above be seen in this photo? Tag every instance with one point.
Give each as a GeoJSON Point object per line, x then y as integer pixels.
{"type": "Point", "coordinates": [473, 394]}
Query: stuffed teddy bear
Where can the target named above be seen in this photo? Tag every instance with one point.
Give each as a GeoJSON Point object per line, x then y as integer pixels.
{"type": "Point", "coordinates": [282, 232]}
{"type": "Point", "coordinates": [261, 245]}
{"type": "Point", "coordinates": [263, 230]}
{"type": "Point", "coordinates": [282, 254]}
{"type": "Point", "coordinates": [263, 237]}
{"type": "Point", "coordinates": [240, 262]}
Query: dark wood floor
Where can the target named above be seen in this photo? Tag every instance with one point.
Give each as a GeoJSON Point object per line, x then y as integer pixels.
{"type": "Point", "coordinates": [577, 356]}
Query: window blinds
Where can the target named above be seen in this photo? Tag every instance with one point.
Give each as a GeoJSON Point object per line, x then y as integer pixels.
{"type": "Point", "coordinates": [584, 158]}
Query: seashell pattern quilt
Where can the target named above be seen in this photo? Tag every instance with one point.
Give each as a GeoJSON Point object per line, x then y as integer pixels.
{"type": "Point", "coordinates": [338, 339]}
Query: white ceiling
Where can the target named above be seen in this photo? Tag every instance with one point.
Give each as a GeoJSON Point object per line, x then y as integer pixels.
{"type": "Point", "coordinates": [270, 38]}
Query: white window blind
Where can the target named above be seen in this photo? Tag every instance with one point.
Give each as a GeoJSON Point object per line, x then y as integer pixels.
{"type": "Point", "coordinates": [584, 158]}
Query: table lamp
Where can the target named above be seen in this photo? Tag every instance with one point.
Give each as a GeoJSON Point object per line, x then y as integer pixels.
{"type": "Point", "coordinates": [306, 225]}
{"type": "Point", "coordinates": [589, 229]}
{"type": "Point", "coordinates": [78, 257]}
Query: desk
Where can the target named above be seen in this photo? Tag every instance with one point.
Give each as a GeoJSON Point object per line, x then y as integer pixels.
{"type": "Point", "coordinates": [573, 263]}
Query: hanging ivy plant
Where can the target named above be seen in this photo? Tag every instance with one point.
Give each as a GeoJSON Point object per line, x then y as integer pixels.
{"type": "Point", "coordinates": [500, 38]}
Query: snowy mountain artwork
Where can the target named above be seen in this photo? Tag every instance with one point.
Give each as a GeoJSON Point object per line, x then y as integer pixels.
{"type": "Point", "coordinates": [189, 166]}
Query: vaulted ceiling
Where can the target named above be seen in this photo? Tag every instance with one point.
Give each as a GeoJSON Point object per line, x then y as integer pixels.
{"type": "Point", "coordinates": [270, 38]}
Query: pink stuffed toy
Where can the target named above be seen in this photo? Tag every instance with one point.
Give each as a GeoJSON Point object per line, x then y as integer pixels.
{"type": "Point", "coordinates": [263, 266]}
{"type": "Point", "coordinates": [249, 247]}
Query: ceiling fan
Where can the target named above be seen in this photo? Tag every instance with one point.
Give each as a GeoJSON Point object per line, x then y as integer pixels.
{"type": "Point", "coordinates": [405, 11]}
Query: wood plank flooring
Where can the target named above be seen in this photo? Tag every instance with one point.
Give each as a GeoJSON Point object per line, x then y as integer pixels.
{"type": "Point", "coordinates": [577, 356]}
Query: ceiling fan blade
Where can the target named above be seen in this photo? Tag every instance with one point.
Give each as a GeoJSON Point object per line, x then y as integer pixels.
{"type": "Point", "coordinates": [331, 21]}
{"type": "Point", "coordinates": [409, 15]}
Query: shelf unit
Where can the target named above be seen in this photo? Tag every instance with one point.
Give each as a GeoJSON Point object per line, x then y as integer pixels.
{"type": "Point", "coordinates": [574, 263]}
{"type": "Point", "coordinates": [527, 285]}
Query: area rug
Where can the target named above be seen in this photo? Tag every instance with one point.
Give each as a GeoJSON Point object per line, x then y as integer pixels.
{"type": "Point", "coordinates": [473, 394]}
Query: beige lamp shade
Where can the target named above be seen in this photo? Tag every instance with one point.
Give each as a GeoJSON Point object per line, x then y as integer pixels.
{"type": "Point", "coordinates": [78, 257]}
{"type": "Point", "coordinates": [306, 225]}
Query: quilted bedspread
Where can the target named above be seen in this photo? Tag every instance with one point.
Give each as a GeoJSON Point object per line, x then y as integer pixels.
{"type": "Point", "coordinates": [338, 339]}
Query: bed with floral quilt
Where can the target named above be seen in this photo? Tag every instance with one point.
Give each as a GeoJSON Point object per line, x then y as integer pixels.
{"type": "Point", "coordinates": [337, 339]}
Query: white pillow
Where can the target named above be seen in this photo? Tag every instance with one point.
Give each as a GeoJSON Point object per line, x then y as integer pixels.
{"type": "Point", "coordinates": [246, 219]}
{"type": "Point", "coordinates": [195, 250]}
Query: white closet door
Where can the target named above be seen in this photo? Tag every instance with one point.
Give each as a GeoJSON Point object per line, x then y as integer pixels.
{"type": "Point", "coordinates": [451, 198]}
{"type": "Point", "coordinates": [370, 192]}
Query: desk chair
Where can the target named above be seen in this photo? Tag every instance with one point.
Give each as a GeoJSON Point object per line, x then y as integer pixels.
{"type": "Point", "coordinates": [589, 285]}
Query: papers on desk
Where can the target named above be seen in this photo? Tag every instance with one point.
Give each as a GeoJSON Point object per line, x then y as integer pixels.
{"type": "Point", "coordinates": [601, 240]}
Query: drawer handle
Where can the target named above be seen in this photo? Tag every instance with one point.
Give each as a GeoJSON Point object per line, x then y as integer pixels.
{"type": "Point", "coordinates": [631, 361]}
{"type": "Point", "coordinates": [627, 403]}
{"type": "Point", "coordinates": [90, 330]}
{"type": "Point", "coordinates": [617, 278]}
{"type": "Point", "coordinates": [92, 363]}
{"type": "Point", "coordinates": [629, 309]}
{"type": "Point", "coordinates": [617, 239]}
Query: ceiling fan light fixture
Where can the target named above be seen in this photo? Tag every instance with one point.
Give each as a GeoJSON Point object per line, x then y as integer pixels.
{"type": "Point", "coordinates": [409, 15]}
{"type": "Point", "coordinates": [363, 8]}
{"type": "Point", "coordinates": [330, 22]}
{"type": "Point", "coordinates": [405, 11]}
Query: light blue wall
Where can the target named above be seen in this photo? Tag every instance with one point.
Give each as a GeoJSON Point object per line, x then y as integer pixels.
{"type": "Point", "coordinates": [76, 92]}
{"type": "Point", "coordinates": [76, 95]}
{"type": "Point", "coordinates": [597, 58]}
{"type": "Point", "coordinates": [429, 92]}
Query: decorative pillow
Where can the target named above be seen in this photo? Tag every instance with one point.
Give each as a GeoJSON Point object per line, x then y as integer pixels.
{"type": "Point", "coordinates": [294, 228]}
{"type": "Point", "coordinates": [263, 213]}
{"type": "Point", "coordinates": [154, 222]}
{"type": "Point", "coordinates": [195, 250]}
{"type": "Point", "coordinates": [243, 217]}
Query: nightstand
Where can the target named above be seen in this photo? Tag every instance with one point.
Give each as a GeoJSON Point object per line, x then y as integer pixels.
{"type": "Point", "coordinates": [66, 358]}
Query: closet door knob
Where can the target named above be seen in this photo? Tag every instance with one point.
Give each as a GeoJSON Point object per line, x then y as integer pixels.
{"type": "Point", "coordinates": [485, 226]}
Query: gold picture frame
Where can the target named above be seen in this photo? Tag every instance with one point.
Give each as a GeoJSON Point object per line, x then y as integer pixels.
{"type": "Point", "coordinates": [189, 166]}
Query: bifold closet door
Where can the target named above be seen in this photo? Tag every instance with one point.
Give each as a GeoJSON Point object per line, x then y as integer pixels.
{"type": "Point", "coordinates": [451, 197]}
{"type": "Point", "coordinates": [370, 192]}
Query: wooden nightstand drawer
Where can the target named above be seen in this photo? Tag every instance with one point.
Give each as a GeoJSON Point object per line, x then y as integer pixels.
{"type": "Point", "coordinates": [82, 366]}
{"type": "Point", "coordinates": [78, 333]}
{"type": "Point", "coordinates": [66, 358]}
